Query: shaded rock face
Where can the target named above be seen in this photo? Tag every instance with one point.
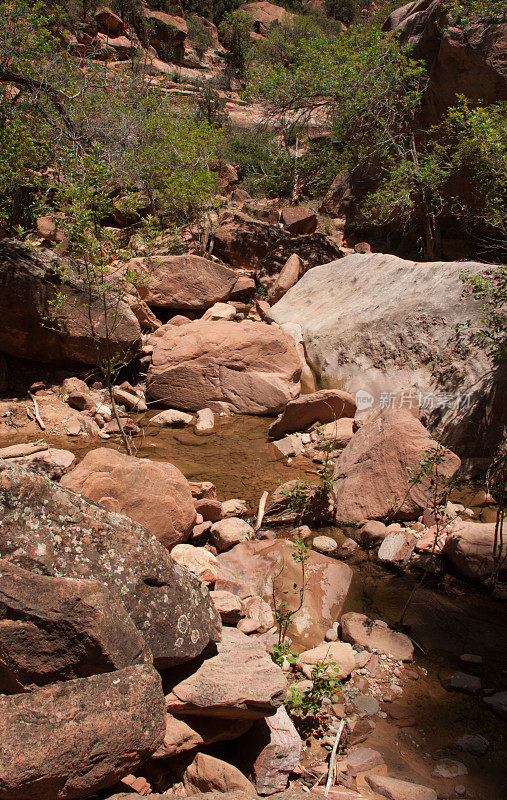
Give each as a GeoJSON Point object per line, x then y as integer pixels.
{"type": "Point", "coordinates": [59, 743]}
{"type": "Point", "coordinates": [154, 493]}
{"type": "Point", "coordinates": [164, 28]}
{"type": "Point", "coordinates": [54, 629]}
{"type": "Point", "coordinates": [373, 470]}
{"type": "Point", "coordinates": [244, 241]}
{"type": "Point", "coordinates": [252, 367]}
{"type": "Point", "coordinates": [48, 529]}
{"type": "Point", "coordinates": [185, 281]}
{"type": "Point", "coordinates": [470, 61]}
{"type": "Point", "coordinates": [239, 682]}
{"type": "Point", "coordinates": [319, 506]}
{"type": "Point", "coordinates": [299, 220]}
{"type": "Point", "coordinates": [29, 286]}
{"type": "Point", "coordinates": [386, 327]}
{"type": "Point", "coordinates": [253, 568]}
{"type": "Point", "coordinates": [272, 748]}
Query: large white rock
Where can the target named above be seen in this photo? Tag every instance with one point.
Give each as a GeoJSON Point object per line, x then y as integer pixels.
{"type": "Point", "coordinates": [379, 324]}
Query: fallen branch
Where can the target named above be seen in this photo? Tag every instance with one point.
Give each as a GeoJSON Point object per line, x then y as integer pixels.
{"type": "Point", "coordinates": [332, 758]}
{"type": "Point", "coordinates": [260, 513]}
{"type": "Point", "coordinates": [20, 450]}
{"type": "Point", "coordinates": [38, 417]}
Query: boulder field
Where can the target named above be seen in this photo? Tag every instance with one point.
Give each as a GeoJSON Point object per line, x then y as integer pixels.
{"type": "Point", "coordinates": [89, 602]}
{"type": "Point", "coordinates": [400, 333]}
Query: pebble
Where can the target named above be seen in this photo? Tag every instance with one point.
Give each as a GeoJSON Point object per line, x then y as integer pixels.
{"type": "Point", "coordinates": [366, 704]}
{"type": "Point", "coordinates": [362, 659]}
{"type": "Point", "coordinates": [448, 768]}
{"type": "Point", "coordinates": [472, 743]}
{"type": "Point", "coordinates": [463, 682]}
{"type": "Point", "coordinates": [332, 633]}
{"type": "Point", "coordinates": [373, 665]}
{"type": "Point", "coordinates": [460, 789]}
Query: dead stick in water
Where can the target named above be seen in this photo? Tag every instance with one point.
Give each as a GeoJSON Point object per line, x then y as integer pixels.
{"type": "Point", "coordinates": [332, 758]}
{"type": "Point", "coordinates": [260, 513]}
{"type": "Point", "coordinates": [38, 417]}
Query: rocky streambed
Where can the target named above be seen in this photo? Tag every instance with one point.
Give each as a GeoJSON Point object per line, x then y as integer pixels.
{"type": "Point", "coordinates": [427, 719]}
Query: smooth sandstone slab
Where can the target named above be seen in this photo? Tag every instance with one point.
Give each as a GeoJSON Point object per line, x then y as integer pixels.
{"type": "Point", "coordinates": [239, 682]}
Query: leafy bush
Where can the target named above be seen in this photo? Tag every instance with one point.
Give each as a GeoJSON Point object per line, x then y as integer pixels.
{"type": "Point", "coordinates": [346, 11]}
{"type": "Point", "coordinates": [211, 107]}
{"type": "Point", "coordinates": [267, 165]}
{"type": "Point", "coordinates": [461, 12]}
{"type": "Point", "coordinates": [235, 33]}
{"type": "Point", "coordinates": [325, 684]}
{"type": "Point", "coordinates": [199, 34]}
{"type": "Point", "coordinates": [212, 9]}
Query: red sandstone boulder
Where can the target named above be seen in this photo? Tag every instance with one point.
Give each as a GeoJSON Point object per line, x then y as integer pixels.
{"type": "Point", "coordinates": [272, 749]}
{"type": "Point", "coordinates": [109, 20]}
{"type": "Point", "coordinates": [154, 493]}
{"type": "Point", "coordinates": [469, 548]}
{"type": "Point", "coordinates": [29, 289]}
{"type": "Point", "coordinates": [318, 508]}
{"type": "Point", "coordinates": [266, 14]}
{"type": "Point", "coordinates": [239, 682]}
{"type": "Point", "coordinates": [164, 28]}
{"type": "Point", "coordinates": [243, 241]}
{"type": "Point", "coordinates": [375, 635]}
{"type": "Point", "coordinates": [48, 529]}
{"type": "Point", "coordinates": [209, 774]}
{"type": "Point", "coordinates": [326, 405]}
{"type": "Point", "coordinates": [53, 629]}
{"type": "Point", "coordinates": [395, 789]}
{"type": "Point", "coordinates": [373, 469]}
{"type": "Point", "coordinates": [290, 274]}
{"type": "Point", "coordinates": [185, 281]}
{"type": "Point", "coordinates": [71, 739]}
{"type": "Point", "coordinates": [299, 220]}
{"type": "Point", "coordinates": [468, 59]}
{"type": "Point", "coordinates": [256, 568]}
{"type": "Point", "coordinates": [250, 367]}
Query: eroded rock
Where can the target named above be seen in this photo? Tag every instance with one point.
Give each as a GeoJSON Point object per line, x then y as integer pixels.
{"type": "Point", "coordinates": [54, 629]}
{"type": "Point", "coordinates": [153, 493]}
{"type": "Point", "coordinates": [239, 682]}
{"type": "Point", "coordinates": [251, 367]}
{"type": "Point", "coordinates": [48, 529]}
{"type": "Point", "coordinates": [58, 743]}
{"type": "Point", "coordinates": [371, 474]}
{"type": "Point", "coordinates": [358, 629]}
